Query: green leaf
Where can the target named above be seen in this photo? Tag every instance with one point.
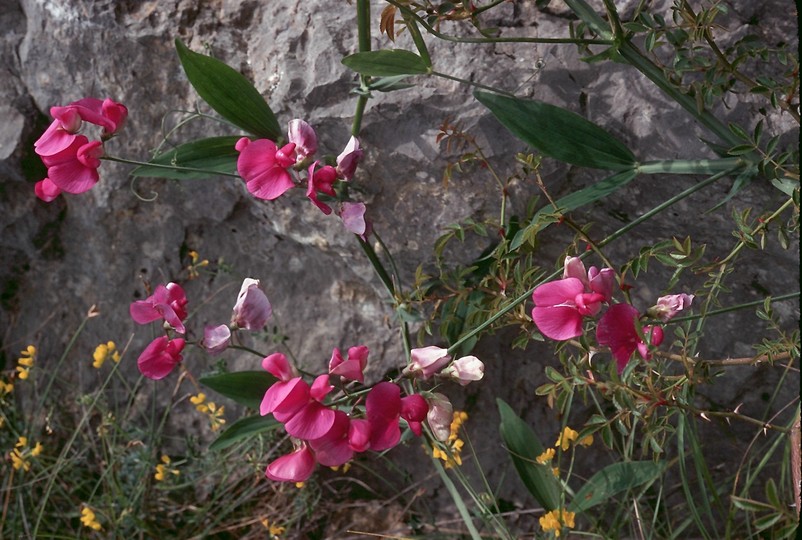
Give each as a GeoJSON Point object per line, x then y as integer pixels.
{"type": "Point", "coordinates": [245, 387]}
{"type": "Point", "coordinates": [229, 93]}
{"type": "Point", "coordinates": [523, 447]}
{"type": "Point", "coordinates": [206, 156]}
{"type": "Point", "coordinates": [786, 185]}
{"type": "Point", "coordinates": [612, 480]}
{"type": "Point", "coordinates": [386, 63]}
{"type": "Point", "coordinates": [389, 84]}
{"type": "Point", "coordinates": [244, 428]}
{"type": "Point", "coordinates": [571, 202]}
{"type": "Point", "coordinates": [559, 133]}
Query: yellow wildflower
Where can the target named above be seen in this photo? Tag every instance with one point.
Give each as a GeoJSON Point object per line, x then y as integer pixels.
{"type": "Point", "coordinates": [103, 352]}
{"type": "Point", "coordinates": [451, 456]}
{"type": "Point", "coordinates": [89, 519]}
{"type": "Point", "coordinates": [545, 457]}
{"type": "Point", "coordinates": [200, 402]}
{"type": "Point", "coordinates": [25, 362]}
{"type": "Point", "coordinates": [273, 530]}
{"type": "Point", "coordinates": [555, 471]}
{"type": "Point", "coordinates": [555, 520]}
{"type": "Point", "coordinates": [300, 485]}
{"type": "Point", "coordinates": [18, 461]}
{"type": "Point", "coordinates": [193, 267]}
{"type": "Point", "coordinates": [21, 453]}
{"type": "Point", "coordinates": [37, 449]}
{"type": "Point", "coordinates": [586, 440]}
{"type": "Point", "coordinates": [6, 388]}
{"type": "Point", "coordinates": [567, 436]}
{"type": "Point", "coordinates": [163, 468]}
{"type": "Point", "coordinates": [216, 416]}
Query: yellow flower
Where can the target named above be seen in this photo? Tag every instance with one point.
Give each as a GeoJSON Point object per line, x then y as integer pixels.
{"type": "Point", "coordinates": [162, 469]}
{"type": "Point", "coordinates": [6, 388]}
{"type": "Point", "coordinates": [18, 461]}
{"type": "Point", "coordinates": [451, 456]}
{"type": "Point", "coordinates": [586, 440]}
{"type": "Point", "coordinates": [21, 442]}
{"type": "Point", "coordinates": [545, 457]}
{"type": "Point", "coordinates": [555, 520]}
{"type": "Point", "coordinates": [37, 449]}
{"type": "Point", "coordinates": [216, 416]}
{"type": "Point", "coordinates": [25, 362]}
{"type": "Point", "coordinates": [103, 352]}
{"type": "Point", "coordinates": [567, 436]}
{"type": "Point", "coordinates": [555, 471]}
{"type": "Point", "coordinates": [192, 269]}
{"type": "Point", "coordinates": [273, 530]}
{"type": "Point", "coordinates": [89, 519]}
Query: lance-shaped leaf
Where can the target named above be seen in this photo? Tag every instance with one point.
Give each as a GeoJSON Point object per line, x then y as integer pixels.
{"type": "Point", "coordinates": [197, 159]}
{"type": "Point", "coordinates": [523, 447]}
{"type": "Point", "coordinates": [559, 133]}
{"type": "Point", "coordinates": [575, 200]}
{"type": "Point", "coordinates": [245, 387]}
{"type": "Point", "coordinates": [229, 93]}
{"type": "Point", "coordinates": [243, 428]}
{"type": "Point", "coordinates": [386, 63]}
{"type": "Point", "coordinates": [612, 480]}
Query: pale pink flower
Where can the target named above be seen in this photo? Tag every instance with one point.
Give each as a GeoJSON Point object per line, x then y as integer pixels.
{"type": "Point", "coordinates": [465, 369]}
{"type": "Point", "coordinates": [252, 309]}
{"type": "Point", "coordinates": [303, 136]}
{"type": "Point", "coordinates": [353, 216]}
{"type": "Point", "coordinates": [264, 166]}
{"type": "Point", "coordinates": [351, 367]}
{"type": "Point", "coordinates": [617, 330]}
{"type": "Point", "coordinates": [348, 159]}
{"type": "Point", "coordinates": [216, 338]}
{"type": "Point", "coordinates": [426, 361]}
{"type": "Point", "coordinates": [440, 415]}
{"type": "Point", "coordinates": [320, 181]}
{"type": "Point", "coordinates": [667, 307]}
{"type": "Point", "coordinates": [160, 357]}
{"type": "Point", "coordinates": [294, 467]}
{"type": "Point", "coordinates": [167, 302]}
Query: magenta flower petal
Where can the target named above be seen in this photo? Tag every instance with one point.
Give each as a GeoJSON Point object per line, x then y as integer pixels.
{"type": "Point", "coordinates": [257, 164]}
{"type": "Point", "coordinates": [332, 450]}
{"type": "Point", "coordinates": [294, 467]}
{"type": "Point", "coordinates": [617, 331]}
{"type": "Point", "coordinates": [557, 292]}
{"type": "Point", "coordinates": [46, 190]}
{"type": "Point", "coordinates": [74, 169]}
{"type": "Point", "coordinates": [278, 365]}
{"type": "Point", "coordinates": [351, 368]}
{"type": "Point", "coordinates": [54, 140]}
{"type": "Point", "coordinates": [414, 408]}
{"type": "Point", "coordinates": [160, 357]}
{"type": "Point", "coordinates": [303, 136]}
{"type": "Point", "coordinates": [312, 421]}
{"type": "Point", "coordinates": [284, 399]}
{"type": "Point", "coordinates": [558, 322]}
{"type": "Point", "coordinates": [383, 408]}
{"type": "Point", "coordinates": [359, 435]}
{"type": "Point", "coordinates": [349, 158]}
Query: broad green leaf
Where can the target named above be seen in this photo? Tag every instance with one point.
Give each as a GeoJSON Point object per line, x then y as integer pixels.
{"type": "Point", "coordinates": [206, 157]}
{"type": "Point", "coordinates": [571, 202]}
{"type": "Point", "coordinates": [244, 428]}
{"type": "Point", "coordinates": [245, 387]}
{"type": "Point", "coordinates": [786, 185]}
{"type": "Point", "coordinates": [386, 63]}
{"type": "Point", "coordinates": [613, 480]}
{"type": "Point", "coordinates": [229, 93]}
{"type": "Point", "coordinates": [523, 447]}
{"type": "Point", "coordinates": [558, 133]}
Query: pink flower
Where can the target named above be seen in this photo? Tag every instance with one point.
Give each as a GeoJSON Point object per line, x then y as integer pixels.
{"type": "Point", "coordinates": [359, 434]}
{"type": "Point", "coordinates": [303, 136]}
{"type": "Point", "coordinates": [560, 306]}
{"type": "Point", "coordinates": [353, 216]}
{"type": "Point", "coordinates": [618, 330]}
{"type": "Point", "coordinates": [278, 365]}
{"type": "Point", "coordinates": [73, 169]}
{"type": "Point", "coordinates": [160, 357]}
{"type": "Point", "coordinates": [465, 369]}
{"type": "Point", "coordinates": [440, 416]}
{"type": "Point", "coordinates": [46, 190]}
{"type": "Point", "coordinates": [167, 302]}
{"type": "Point", "coordinates": [68, 119]}
{"type": "Point", "coordinates": [667, 307]}
{"type": "Point", "coordinates": [320, 181]}
{"type": "Point", "coordinates": [333, 449]}
{"type": "Point", "coordinates": [294, 467]}
{"type": "Point", "coordinates": [594, 280]}
{"type": "Point", "coordinates": [252, 309]}
{"type": "Point", "coordinates": [426, 361]}
{"type": "Point", "coordinates": [264, 166]}
{"type": "Point", "coordinates": [383, 408]}
{"type": "Point", "coordinates": [349, 159]}
{"type": "Point", "coordinates": [353, 366]}
{"type": "Point", "coordinates": [216, 338]}
{"type": "Point", "coordinates": [299, 407]}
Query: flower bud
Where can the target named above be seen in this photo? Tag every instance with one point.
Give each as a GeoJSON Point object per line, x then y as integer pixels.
{"type": "Point", "coordinates": [667, 307]}
{"type": "Point", "coordinates": [440, 415]}
{"type": "Point", "coordinates": [465, 370]}
{"type": "Point", "coordinates": [252, 309]}
{"type": "Point", "coordinates": [216, 338]}
{"type": "Point", "coordinates": [426, 361]}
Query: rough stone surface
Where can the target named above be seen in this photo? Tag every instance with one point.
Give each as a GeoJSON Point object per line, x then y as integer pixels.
{"type": "Point", "coordinates": [58, 259]}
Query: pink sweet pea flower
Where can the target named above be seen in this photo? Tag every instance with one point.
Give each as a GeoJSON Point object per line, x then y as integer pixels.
{"type": "Point", "coordinates": [74, 169]}
{"type": "Point", "coordinates": [333, 449]}
{"type": "Point", "coordinates": [349, 159]}
{"type": "Point", "coordinates": [414, 409]}
{"type": "Point", "coordinates": [264, 166]}
{"type": "Point", "coordinates": [594, 280]}
{"type": "Point", "coordinates": [160, 357]}
{"type": "Point", "coordinates": [47, 190]}
{"type": "Point", "coordinates": [440, 416]}
{"type": "Point", "coordinates": [667, 307]}
{"type": "Point", "coordinates": [294, 467]}
{"type": "Point", "coordinates": [465, 369]}
{"type": "Point", "coordinates": [353, 216]}
{"type": "Point", "coordinates": [383, 409]}
{"type": "Point", "coordinates": [320, 181]}
{"type": "Point", "coordinates": [353, 366]}
{"type": "Point", "coordinates": [167, 302]}
{"type": "Point", "coordinates": [617, 330]}
{"type": "Point", "coordinates": [68, 119]}
{"type": "Point", "coordinates": [216, 338]}
{"type": "Point", "coordinates": [426, 361]}
{"type": "Point", "coordinates": [303, 136]}
{"type": "Point", "coordinates": [277, 365]}
{"type": "Point", "coordinates": [560, 306]}
{"type": "Point", "coordinates": [252, 309]}
{"type": "Point", "coordinates": [359, 434]}
{"type": "Point", "coordinates": [299, 407]}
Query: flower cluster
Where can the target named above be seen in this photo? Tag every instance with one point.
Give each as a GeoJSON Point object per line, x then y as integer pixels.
{"type": "Point", "coordinates": [25, 362]}
{"type": "Point", "coordinates": [103, 352]}
{"type": "Point", "coordinates": [163, 469]}
{"type": "Point", "coordinates": [325, 434]}
{"type": "Point", "coordinates": [210, 409]}
{"type": "Point", "coordinates": [427, 362]}
{"type": "Point", "coordinates": [21, 453]}
{"type": "Point", "coordinates": [451, 455]}
{"type": "Point", "coordinates": [555, 520]}
{"type": "Point", "coordinates": [266, 169]}
{"type": "Point", "coordinates": [72, 160]}
{"type": "Point", "coordinates": [88, 519]}
{"type": "Point", "coordinates": [561, 307]}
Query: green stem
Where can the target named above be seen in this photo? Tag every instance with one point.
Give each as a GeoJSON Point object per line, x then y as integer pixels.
{"type": "Point", "coordinates": [737, 307]}
{"type": "Point", "coordinates": [690, 166]}
{"type": "Point", "coordinates": [171, 167]}
{"type": "Point", "coordinates": [363, 37]}
{"type": "Point", "coordinates": [460, 504]}
{"type": "Point", "coordinates": [470, 83]}
{"type": "Point", "coordinates": [378, 266]}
